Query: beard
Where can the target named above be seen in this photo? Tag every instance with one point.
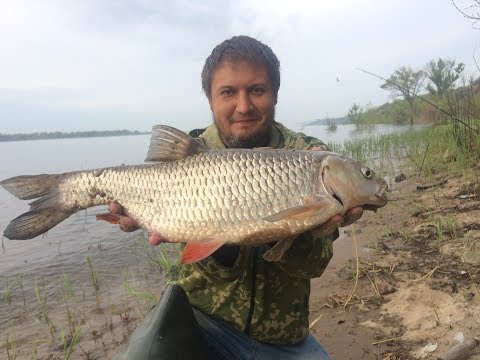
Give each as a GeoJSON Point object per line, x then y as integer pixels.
{"type": "Point", "coordinates": [260, 138]}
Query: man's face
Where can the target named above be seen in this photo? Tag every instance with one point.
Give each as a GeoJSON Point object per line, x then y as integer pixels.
{"type": "Point", "coordinates": [242, 101]}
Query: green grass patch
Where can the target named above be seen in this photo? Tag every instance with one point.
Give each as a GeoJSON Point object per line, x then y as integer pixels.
{"type": "Point", "coordinates": [425, 152]}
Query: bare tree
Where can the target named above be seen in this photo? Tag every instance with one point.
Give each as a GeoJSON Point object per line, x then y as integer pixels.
{"type": "Point", "coordinates": [469, 9]}
{"type": "Point", "coordinates": [405, 82]}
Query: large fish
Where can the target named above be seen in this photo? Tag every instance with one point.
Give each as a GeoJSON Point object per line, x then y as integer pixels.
{"type": "Point", "coordinates": [204, 197]}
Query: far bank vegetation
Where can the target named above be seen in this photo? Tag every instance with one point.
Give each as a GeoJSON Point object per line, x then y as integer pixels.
{"type": "Point", "coordinates": [67, 135]}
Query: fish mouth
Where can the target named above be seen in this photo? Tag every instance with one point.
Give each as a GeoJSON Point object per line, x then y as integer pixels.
{"type": "Point", "coordinates": [381, 192]}
{"type": "Point", "coordinates": [336, 197]}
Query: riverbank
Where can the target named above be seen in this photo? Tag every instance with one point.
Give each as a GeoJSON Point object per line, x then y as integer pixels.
{"type": "Point", "coordinates": [414, 285]}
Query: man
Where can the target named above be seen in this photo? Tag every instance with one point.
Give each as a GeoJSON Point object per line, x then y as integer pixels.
{"type": "Point", "coordinates": [249, 308]}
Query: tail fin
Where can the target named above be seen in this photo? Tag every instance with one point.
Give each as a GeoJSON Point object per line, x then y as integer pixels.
{"type": "Point", "coordinates": [45, 212]}
{"type": "Point", "coordinates": [30, 186]}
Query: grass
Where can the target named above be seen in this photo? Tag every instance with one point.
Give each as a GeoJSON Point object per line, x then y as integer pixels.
{"type": "Point", "coordinates": [389, 232]}
{"type": "Point", "coordinates": [19, 279]}
{"type": "Point", "coordinates": [132, 290]}
{"type": "Point", "coordinates": [42, 300]}
{"type": "Point", "coordinates": [73, 343]}
{"type": "Point", "coordinates": [439, 227]}
{"type": "Point", "coordinates": [8, 291]}
{"type": "Point", "coordinates": [67, 292]}
{"type": "Point", "coordinates": [11, 346]}
{"type": "Point", "coordinates": [419, 152]}
{"type": "Point", "coordinates": [93, 274]}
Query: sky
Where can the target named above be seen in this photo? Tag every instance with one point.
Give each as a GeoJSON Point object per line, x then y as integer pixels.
{"type": "Point", "coordinates": [68, 65]}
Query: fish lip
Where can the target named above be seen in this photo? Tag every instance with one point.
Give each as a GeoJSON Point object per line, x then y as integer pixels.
{"type": "Point", "coordinates": [381, 192]}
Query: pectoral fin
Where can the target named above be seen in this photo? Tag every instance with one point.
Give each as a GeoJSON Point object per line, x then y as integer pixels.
{"type": "Point", "coordinates": [196, 251]}
{"type": "Point", "coordinates": [310, 207]}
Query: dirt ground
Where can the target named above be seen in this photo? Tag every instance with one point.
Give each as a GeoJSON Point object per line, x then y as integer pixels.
{"type": "Point", "coordinates": [417, 293]}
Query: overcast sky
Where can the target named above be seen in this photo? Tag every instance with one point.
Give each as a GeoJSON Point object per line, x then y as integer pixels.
{"type": "Point", "coordinates": [72, 65]}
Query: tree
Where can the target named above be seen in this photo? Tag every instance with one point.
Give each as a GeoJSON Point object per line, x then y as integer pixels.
{"type": "Point", "coordinates": [355, 114]}
{"type": "Point", "coordinates": [442, 75]}
{"type": "Point", "coordinates": [405, 82]}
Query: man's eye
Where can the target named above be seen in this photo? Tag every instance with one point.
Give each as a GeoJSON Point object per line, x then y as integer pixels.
{"type": "Point", "coordinates": [258, 90]}
{"type": "Point", "coordinates": [226, 92]}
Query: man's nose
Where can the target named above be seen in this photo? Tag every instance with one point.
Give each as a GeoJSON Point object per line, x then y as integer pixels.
{"type": "Point", "coordinates": [244, 104]}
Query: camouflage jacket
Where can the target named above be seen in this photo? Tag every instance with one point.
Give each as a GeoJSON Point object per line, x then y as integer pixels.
{"type": "Point", "coordinates": [267, 301]}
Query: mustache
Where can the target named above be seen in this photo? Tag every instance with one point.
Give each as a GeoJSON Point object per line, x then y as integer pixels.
{"type": "Point", "coordinates": [246, 118]}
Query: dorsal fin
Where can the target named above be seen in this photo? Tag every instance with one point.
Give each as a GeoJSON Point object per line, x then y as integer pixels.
{"type": "Point", "coordinates": [168, 143]}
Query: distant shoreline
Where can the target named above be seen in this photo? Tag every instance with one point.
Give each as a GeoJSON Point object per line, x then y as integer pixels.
{"type": "Point", "coordinates": [69, 135]}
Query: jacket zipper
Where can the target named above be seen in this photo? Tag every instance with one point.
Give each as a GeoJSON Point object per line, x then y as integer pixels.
{"type": "Point", "coordinates": [252, 293]}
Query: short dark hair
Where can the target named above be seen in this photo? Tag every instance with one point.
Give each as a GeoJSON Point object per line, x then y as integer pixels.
{"type": "Point", "coordinates": [241, 48]}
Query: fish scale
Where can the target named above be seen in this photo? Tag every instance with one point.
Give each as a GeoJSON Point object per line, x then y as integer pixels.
{"type": "Point", "coordinates": [177, 195]}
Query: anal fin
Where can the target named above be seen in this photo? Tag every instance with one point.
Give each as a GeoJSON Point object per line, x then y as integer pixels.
{"type": "Point", "coordinates": [195, 251]}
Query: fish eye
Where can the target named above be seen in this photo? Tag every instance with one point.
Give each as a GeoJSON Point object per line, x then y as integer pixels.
{"type": "Point", "coordinates": [366, 172]}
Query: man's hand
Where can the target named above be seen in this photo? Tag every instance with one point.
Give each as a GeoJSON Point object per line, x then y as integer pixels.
{"type": "Point", "coordinates": [127, 224]}
{"type": "Point", "coordinates": [337, 221]}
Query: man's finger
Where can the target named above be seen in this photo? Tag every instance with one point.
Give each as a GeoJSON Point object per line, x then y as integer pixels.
{"type": "Point", "coordinates": [329, 227]}
{"type": "Point", "coordinates": [127, 224]}
{"type": "Point", "coordinates": [155, 239]}
{"type": "Point", "coordinates": [115, 208]}
{"type": "Point", "coordinates": [353, 215]}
